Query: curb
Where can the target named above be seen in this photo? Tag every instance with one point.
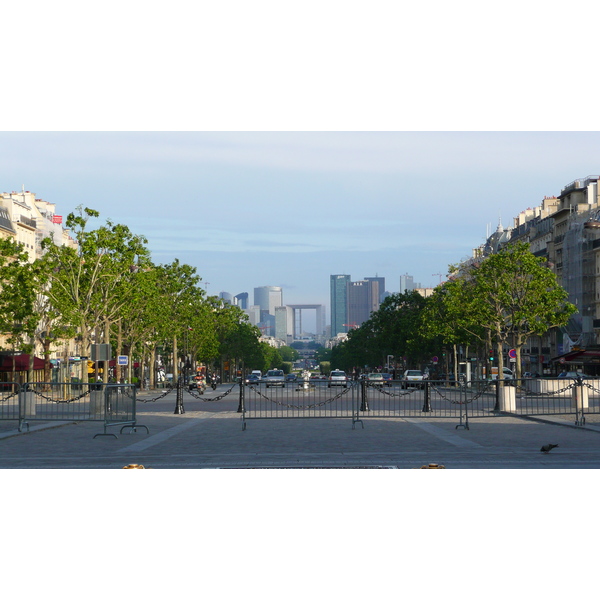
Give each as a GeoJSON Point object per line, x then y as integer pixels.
{"type": "Point", "coordinates": [9, 434]}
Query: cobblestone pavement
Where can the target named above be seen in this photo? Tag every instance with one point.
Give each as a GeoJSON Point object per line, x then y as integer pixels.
{"type": "Point", "coordinates": [210, 435]}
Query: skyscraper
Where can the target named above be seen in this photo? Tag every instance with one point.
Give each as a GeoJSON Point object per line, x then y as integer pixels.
{"type": "Point", "coordinates": [284, 323]}
{"type": "Point", "coordinates": [407, 283]}
{"type": "Point", "coordinates": [242, 300]}
{"type": "Point", "coordinates": [339, 296]}
{"type": "Point", "coordinates": [268, 297]}
{"type": "Point", "coordinates": [363, 299]}
{"type": "Point", "coordinates": [381, 282]}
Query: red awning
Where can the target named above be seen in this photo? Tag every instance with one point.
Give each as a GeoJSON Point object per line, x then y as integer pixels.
{"type": "Point", "coordinates": [578, 356]}
{"type": "Point", "coordinates": [21, 363]}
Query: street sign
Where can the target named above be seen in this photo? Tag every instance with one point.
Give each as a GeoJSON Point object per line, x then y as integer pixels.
{"type": "Point", "coordinates": [434, 360]}
{"type": "Point", "coordinates": [123, 361]}
{"type": "Point", "coordinates": [512, 353]}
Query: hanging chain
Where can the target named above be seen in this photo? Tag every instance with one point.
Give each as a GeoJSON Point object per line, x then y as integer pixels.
{"type": "Point", "coordinates": [67, 401]}
{"type": "Point", "coordinates": [305, 407]}
{"type": "Point", "coordinates": [199, 397]}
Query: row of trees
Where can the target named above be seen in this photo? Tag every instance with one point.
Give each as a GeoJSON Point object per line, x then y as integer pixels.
{"type": "Point", "coordinates": [107, 290]}
{"type": "Point", "coordinates": [502, 300]}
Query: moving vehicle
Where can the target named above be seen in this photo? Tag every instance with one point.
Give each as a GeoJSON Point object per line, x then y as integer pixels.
{"type": "Point", "coordinates": [252, 379]}
{"type": "Point", "coordinates": [197, 383]}
{"type": "Point", "coordinates": [412, 377]}
{"type": "Point", "coordinates": [274, 377]}
{"type": "Point", "coordinates": [375, 379]}
{"type": "Point", "coordinates": [387, 378]}
{"type": "Point", "coordinates": [291, 378]}
{"type": "Point", "coordinates": [337, 378]}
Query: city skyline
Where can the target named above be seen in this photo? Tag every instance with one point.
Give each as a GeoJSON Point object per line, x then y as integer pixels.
{"type": "Point", "coordinates": [289, 209]}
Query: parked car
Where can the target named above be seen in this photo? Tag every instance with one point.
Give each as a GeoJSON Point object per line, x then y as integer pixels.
{"type": "Point", "coordinates": [412, 377]}
{"type": "Point", "coordinates": [274, 377]}
{"type": "Point", "coordinates": [338, 378]}
{"type": "Point", "coordinates": [375, 379]}
{"type": "Point", "coordinates": [253, 379]}
{"type": "Point", "coordinates": [508, 374]}
{"type": "Point", "coordinates": [571, 375]}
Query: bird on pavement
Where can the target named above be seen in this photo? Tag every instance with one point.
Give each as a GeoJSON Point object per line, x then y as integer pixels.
{"type": "Point", "coordinates": [545, 449]}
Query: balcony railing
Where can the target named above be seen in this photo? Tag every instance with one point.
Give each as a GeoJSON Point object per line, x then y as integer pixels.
{"type": "Point", "coordinates": [579, 183]}
{"type": "Point", "coordinates": [27, 221]}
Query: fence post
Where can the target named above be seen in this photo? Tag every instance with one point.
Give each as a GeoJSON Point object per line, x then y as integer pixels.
{"type": "Point", "coordinates": [497, 390]}
{"type": "Point", "coordinates": [364, 403]}
{"type": "Point", "coordinates": [508, 399]}
{"type": "Point", "coordinates": [179, 408]}
{"type": "Point", "coordinates": [426, 403]}
{"type": "Point", "coordinates": [579, 401]}
{"type": "Point", "coordinates": [241, 407]}
{"type": "Point", "coordinates": [27, 401]}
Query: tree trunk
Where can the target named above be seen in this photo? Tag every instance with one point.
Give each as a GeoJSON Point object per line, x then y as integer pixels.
{"type": "Point", "coordinates": [119, 352]}
{"type": "Point", "coordinates": [455, 363]}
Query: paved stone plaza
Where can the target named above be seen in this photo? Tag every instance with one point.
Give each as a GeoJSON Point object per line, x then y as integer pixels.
{"type": "Point", "coordinates": [209, 435]}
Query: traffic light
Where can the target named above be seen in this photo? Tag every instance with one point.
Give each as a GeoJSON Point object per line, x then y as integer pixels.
{"type": "Point", "coordinates": [491, 355]}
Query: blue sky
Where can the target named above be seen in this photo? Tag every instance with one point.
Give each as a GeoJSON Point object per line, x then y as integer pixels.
{"type": "Point", "coordinates": [378, 147]}
{"type": "Point", "coordinates": [249, 209]}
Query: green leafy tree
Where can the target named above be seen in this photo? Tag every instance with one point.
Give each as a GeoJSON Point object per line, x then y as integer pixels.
{"type": "Point", "coordinates": [515, 296]}
{"type": "Point", "coordinates": [449, 318]}
{"type": "Point", "coordinates": [288, 354]}
{"type": "Point", "coordinates": [90, 284]}
{"type": "Point", "coordinates": [19, 283]}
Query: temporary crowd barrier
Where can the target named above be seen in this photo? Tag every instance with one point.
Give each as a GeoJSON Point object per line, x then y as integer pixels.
{"type": "Point", "coordinates": [112, 404]}
{"type": "Point", "coordinates": [364, 399]}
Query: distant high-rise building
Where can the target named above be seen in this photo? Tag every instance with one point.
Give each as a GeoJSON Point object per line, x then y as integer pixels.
{"type": "Point", "coordinates": [284, 323]}
{"type": "Point", "coordinates": [408, 284]}
{"type": "Point", "coordinates": [253, 313]}
{"type": "Point", "coordinates": [381, 282]}
{"type": "Point", "coordinates": [268, 297]}
{"type": "Point", "coordinates": [363, 299]}
{"type": "Point", "coordinates": [242, 300]}
{"type": "Point", "coordinates": [339, 297]}
{"type": "Point", "coordinates": [226, 297]}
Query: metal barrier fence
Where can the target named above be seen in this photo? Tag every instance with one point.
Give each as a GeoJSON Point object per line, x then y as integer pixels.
{"type": "Point", "coordinates": [9, 401]}
{"type": "Point", "coordinates": [427, 399]}
{"type": "Point", "coordinates": [112, 404]}
{"type": "Point", "coordinates": [573, 396]}
{"type": "Point", "coordinates": [297, 400]}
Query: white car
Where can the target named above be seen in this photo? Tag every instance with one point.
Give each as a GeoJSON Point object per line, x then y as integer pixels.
{"type": "Point", "coordinates": [375, 379]}
{"type": "Point", "coordinates": [274, 377]}
{"type": "Point", "coordinates": [337, 378]}
{"type": "Point", "coordinates": [412, 377]}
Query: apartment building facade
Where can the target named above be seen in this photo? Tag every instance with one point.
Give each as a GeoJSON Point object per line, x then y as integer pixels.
{"type": "Point", "coordinates": [565, 231]}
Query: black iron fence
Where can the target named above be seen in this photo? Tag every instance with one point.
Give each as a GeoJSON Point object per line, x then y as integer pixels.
{"type": "Point", "coordinates": [9, 401]}
{"type": "Point", "coordinates": [297, 400]}
{"type": "Point", "coordinates": [112, 404]}
{"type": "Point", "coordinates": [365, 400]}
{"type": "Point", "coordinates": [576, 397]}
